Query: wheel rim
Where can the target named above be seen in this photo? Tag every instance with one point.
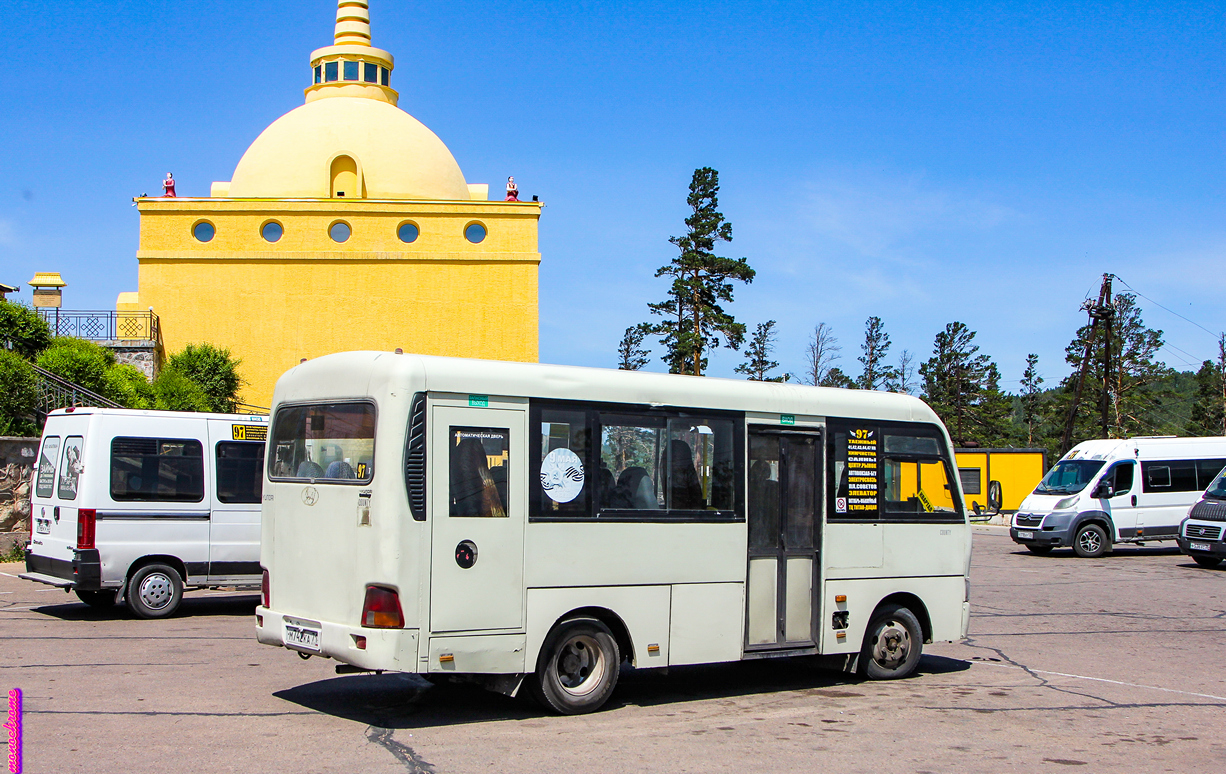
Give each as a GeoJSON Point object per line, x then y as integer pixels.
{"type": "Point", "coordinates": [892, 644]}
{"type": "Point", "coordinates": [580, 665]}
{"type": "Point", "coordinates": [1090, 541]}
{"type": "Point", "coordinates": [155, 591]}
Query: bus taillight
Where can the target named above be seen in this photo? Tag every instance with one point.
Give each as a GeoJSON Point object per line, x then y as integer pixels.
{"type": "Point", "coordinates": [265, 592]}
{"type": "Point", "coordinates": [87, 521]}
{"type": "Point", "coordinates": [381, 610]}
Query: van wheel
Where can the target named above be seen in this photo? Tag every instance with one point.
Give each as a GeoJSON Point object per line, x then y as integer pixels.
{"type": "Point", "coordinates": [1038, 550]}
{"type": "Point", "coordinates": [1091, 541]}
{"type": "Point", "coordinates": [1207, 561]}
{"type": "Point", "coordinates": [155, 591]}
{"type": "Point", "coordinates": [577, 668]}
{"type": "Point", "coordinates": [892, 644]}
{"type": "Point", "coordinates": [103, 598]}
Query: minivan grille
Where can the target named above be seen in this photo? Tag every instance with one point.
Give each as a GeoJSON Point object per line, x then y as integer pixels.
{"type": "Point", "coordinates": [1201, 531]}
{"type": "Point", "coordinates": [1209, 510]}
{"type": "Point", "coordinates": [1029, 520]}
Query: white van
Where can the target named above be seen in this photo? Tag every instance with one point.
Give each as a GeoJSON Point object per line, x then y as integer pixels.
{"type": "Point", "coordinates": [1110, 491]}
{"type": "Point", "coordinates": [134, 506]}
{"type": "Point", "coordinates": [1200, 535]}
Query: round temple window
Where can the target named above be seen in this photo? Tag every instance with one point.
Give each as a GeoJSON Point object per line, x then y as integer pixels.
{"type": "Point", "coordinates": [407, 232]}
{"type": "Point", "coordinates": [339, 231]}
{"type": "Point", "coordinates": [203, 231]}
{"type": "Point", "coordinates": [475, 233]}
{"type": "Point", "coordinates": [271, 231]}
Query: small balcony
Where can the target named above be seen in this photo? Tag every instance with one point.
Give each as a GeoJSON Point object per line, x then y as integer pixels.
{"type": "Point", "coordinates": [124, 329]}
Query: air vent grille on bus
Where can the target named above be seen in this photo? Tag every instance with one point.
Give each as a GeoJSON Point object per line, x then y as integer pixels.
{"type": "Point", "coordinates": [415, 458]}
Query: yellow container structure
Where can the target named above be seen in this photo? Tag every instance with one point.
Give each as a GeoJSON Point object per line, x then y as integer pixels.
{"type": "Point", "coordinates": [1019, 471]}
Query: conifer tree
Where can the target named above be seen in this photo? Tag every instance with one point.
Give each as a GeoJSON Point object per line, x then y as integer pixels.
{"type": "Point", "coordinates": [963, 387]}
{"type": "Point", "coordinates": [875, 348]}
{"type": "Point", "coordinates": [1031, 393]}
{"type": "Point", "coordinates": [630, 353]}
{"type": "Point", "coordinates": [761, 347]}
{"type": "Point", "coordinates": [1209, 408]}
{"type": "Point", "coordinates": [836, 378]}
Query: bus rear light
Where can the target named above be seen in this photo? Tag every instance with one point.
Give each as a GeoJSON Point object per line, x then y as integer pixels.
{"type": "Point", "coordinates": [87, 524]}
{"type": "Point", "coordinates": [381, 610]}
{"type": "Point", "coordinates": [265, 591]}
{"type": "Point", "coordinates": [359, 642]}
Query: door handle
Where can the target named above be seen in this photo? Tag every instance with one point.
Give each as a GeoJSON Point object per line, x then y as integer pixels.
{"type": "Point", "coordinates": [1134, 500]}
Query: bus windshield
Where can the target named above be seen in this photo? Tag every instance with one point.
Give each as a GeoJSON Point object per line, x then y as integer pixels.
{"type": "Point", "coordinates": [1068, 477]}
{"type": "Point", "coordinates": [1217, 490]}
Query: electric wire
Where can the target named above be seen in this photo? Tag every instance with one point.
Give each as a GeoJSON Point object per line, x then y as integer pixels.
{"type": "Point", "coordinates": [1172, 311]}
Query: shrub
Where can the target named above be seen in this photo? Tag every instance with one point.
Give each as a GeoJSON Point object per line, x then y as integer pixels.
{"type": "Point", "coordinates": [126, 385]}
{"type": "Point", "coordinates": [22, 330]}
{"type": "Point", "coordinates": [18, 395]}
{"type": "Point", "coordinates": [79, 361]}
{"type": "Point", "coordinates": [214, 370]}
{"type": "Point", "coordinates": [173, 391]}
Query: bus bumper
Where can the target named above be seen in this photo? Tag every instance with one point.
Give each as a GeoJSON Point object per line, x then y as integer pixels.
{"type": "Point", "coordinates": [393, 650]}
{"type": "Point", "coordinates": [84, 572]}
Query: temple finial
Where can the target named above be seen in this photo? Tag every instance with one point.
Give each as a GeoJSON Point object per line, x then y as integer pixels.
{"type": "Point", "coordinates": [352, 23]}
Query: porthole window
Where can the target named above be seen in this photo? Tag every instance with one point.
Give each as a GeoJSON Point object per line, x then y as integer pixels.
{"type": "Point", "coordinates": [271, 231]}
{"type": "Point", "coordinates": [339, 231]}
{"type": "Point", "coordinates": [408, 232]}
{"type": "Point", "coordinates": [370, 72]}
{"type": "Point", "coordinates": [351, 71]}
{"type": "Point", "coordinates": [475, 233]}
{"type": "Point", "coordinates": [203, 231]}
{"type": "Point", "coordinates": [331, 71]}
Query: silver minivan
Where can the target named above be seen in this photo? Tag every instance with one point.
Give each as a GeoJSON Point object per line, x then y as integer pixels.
{"type": "Point", "coordinates": [135, 506]}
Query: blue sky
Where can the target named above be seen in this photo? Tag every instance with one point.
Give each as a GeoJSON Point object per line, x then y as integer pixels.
{"type": "Point", "coordinates": [920, 162]}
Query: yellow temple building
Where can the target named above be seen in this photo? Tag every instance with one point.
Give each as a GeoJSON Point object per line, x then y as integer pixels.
{"type": "Point", "coordinates": [346, 225]}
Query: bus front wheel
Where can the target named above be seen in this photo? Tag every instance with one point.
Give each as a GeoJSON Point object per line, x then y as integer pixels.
{"type": "Point", "coordinates": [892, 644]}
{"type": "Point", "coordinates": [577, 668]}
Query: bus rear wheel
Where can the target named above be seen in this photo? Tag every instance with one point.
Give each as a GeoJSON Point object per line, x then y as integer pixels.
{"type": "Point", "coordinates": [578, 666]}
{"type": "Point", "coordinates": [154, 591]}
{"type": "Point", "coordinates": [892, 644]}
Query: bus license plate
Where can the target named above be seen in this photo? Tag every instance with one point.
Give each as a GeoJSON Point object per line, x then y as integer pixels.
{"type": "Point", "coordinates": [1198, 546]}
{"type": "Point", "coordinates": [301, 637]}
{"type": "Point", "coordinates": [1025, 535]}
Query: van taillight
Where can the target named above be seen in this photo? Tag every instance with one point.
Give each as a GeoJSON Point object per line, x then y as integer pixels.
{"type": "Point", "coordinates": [87, 521]}
{"type": "Point", "coordinates": [265, 593]}
{"type": "Point", "coordinates": [381, 610]}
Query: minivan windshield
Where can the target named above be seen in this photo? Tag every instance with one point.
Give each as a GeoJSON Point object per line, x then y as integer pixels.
{"type": "Point", "coordinates": [1068, 477]}
{"type": "Point", "coordinates": [1217, 489]}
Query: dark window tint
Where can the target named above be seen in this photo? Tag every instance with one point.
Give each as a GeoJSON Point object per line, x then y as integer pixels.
{"type": "Point", "coordinates": [318, 73]}
{"type": "Point", "coordinates": [1207, 471]}
{"type": "Point", "coordinates": [324, 442]}
{"type": "Point", "coordinates": [240, 472]}
{"type": "Point", "coordinates": [1123, 478]}
{"type": "Point", "coordinates": [383, 75]}
{"type": "Point", "coordinates": [370, 72]}
{"type": "Point", "coordinates": [157, 469]}
{"type": "Point", "coordinates": [70, 467]}
{"type": "Point", "coordinates": [480, 462]}
{"type": "Point", "coordinates": [50, 455]}
{"type": "Point", "coordinates": [1169, 476]}
{"type": "Point", "coordinates": [565, 486]}
{"type": "Point", "coordinates": [970, 478]}
{"type": "Point", "coordinates": [699, 476]}
{"type": "Point", "coordinates": [802, 490]}
{"type": "Point", "coordinates": [890, 472]}
{"type": "Point", "coordinates": [764, 467]}
{"type": "Point", "coordinates": [633, 451]}
{"type": "Point", "coordinates": [351, 71]}
{"type": "Point", "coordinates": [331, 71]}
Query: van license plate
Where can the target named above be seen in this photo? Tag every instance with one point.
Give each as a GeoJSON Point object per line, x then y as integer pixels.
{"type": "Point", "coordinates": [1025, 535]}
{"type": "Point", "coordinates": [301, 637]}
{"type": "Point", "coordinates": [1198, 546]}
{"type": "Point", "coordinates": [44, 526]}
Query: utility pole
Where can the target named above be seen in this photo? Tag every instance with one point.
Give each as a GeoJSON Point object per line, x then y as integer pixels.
{"type": "Point", "coordinates": [1102, 311]}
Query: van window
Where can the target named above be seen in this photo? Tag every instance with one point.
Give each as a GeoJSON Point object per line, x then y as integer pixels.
{"type": "Point", "coordinates": [480, 461]}
{"type": "Point", "coordinates": [1207, 471]}
{"type": "Point", "coordinates": [1123, 478]}
{"type": "Point", "coordinates": [240, 472]}
{"type": "Point", "coordinates": [157, 469]}
{"type": "Point", "coordinates": [328, 442]}
{"type": "Point", "coordinates": [70, 468]}
{"type": "Point", "coordinates": [1169, 476]}
{"type": "Point", "coordinates": [45, 484]}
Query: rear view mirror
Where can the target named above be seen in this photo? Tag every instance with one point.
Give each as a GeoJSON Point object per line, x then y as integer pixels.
{"type": "Point", "coordinates": [1103, 491]}
{"type": "Point", "coordinates": [996, 496]}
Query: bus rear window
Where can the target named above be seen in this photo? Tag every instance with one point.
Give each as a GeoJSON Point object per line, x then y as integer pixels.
{"type": "Point", "coordinates": [329, 442]}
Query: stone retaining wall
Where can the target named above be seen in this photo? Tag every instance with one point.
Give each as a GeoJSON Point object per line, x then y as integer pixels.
{"type": "Point", "coordinates": [16, 471]}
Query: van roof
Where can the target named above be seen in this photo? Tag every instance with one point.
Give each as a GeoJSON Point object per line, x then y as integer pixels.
{"type": "Point", "coordinates": [1148, 446]}
{"type": "Point", "coordinates": [91, 410]}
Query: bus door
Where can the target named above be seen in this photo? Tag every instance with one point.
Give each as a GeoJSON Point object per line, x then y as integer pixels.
{"type": "Point", "coordinates": [784, 509]}
{"type": "Point", "coordinates": [477, 535]}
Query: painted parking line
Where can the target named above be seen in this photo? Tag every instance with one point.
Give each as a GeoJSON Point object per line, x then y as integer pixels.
{"type": "Point", "coordinates": [1102, 680]}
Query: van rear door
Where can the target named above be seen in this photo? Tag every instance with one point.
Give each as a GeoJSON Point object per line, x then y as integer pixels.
{"type": "Point", "coordinates": [238, 474]}
{"type": "Point", "coordinates": [55, 500]}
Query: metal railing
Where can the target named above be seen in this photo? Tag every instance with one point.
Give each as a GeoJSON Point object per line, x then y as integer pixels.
{"type": "Point", "coordinates": [104, 325]}
{"type": "Point", "coordinates": [56, 392]}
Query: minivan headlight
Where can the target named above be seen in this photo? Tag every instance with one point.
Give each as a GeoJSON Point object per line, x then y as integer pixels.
{"type": "Point", "coordinates": [1067, 502]}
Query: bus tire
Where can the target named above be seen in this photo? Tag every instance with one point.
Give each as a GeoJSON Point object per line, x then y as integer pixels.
{"type": "Point", "coordinates": [893, 644]}
{"type": "Point", "coordinates": [1090, 542]}
{"type": "Point", "coordinates": [100, 599]}
{"type": "Point", "coordinates": [577, 669]}
{"type": "Point", "coordinates": [154, 591]}
{"type": "Point", "coordinates": [1208, 562]}
{"type": "Point", "coordinates": [1038, 550]}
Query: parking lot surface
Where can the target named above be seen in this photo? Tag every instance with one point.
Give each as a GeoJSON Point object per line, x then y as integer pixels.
{"type": "Point", "coordinates": [1113, 664]}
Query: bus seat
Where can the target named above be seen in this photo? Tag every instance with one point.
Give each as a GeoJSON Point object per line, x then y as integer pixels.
{"type": "Point", "coordinates": [309, 469]}
{"type": "Point", "coordinates": [685, 490]}
{"type": "Point", "coordinates": [339, 469]}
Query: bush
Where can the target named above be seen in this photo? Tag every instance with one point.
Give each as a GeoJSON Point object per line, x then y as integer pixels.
{"type": "Point", "coordinates": [126, 385]}
{"type": "Point", "coordinates": [18, 395]}
{"type": "Point", "coordinates": [214, 370]}
{"type": "Point", "coordinates": [79, 361]}
{"type": "Point", "coordinates": [22, 330]}
{"type": "Point", "coordinates": [173, 391]}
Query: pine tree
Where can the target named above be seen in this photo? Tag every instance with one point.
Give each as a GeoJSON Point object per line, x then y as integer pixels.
{"type": "Point", "coordinates": [963, 387]}
{"type": "Point", "coordinates": [822, 352]}
{"type": "Point", "coordinates": [1209, 409]}
{"type": "Point", "coordinates": [694, 321]}
{"type": "Point", "coordinates": [630, 353]}
{"type": "Point", "coordinates": [836, 378]}
{"type": "Point", "coordinates": [875, 348]}
{"type": "Point", "coordinates": [1031, 392]}
{"type": "Point", "coordinates": [761, 347]}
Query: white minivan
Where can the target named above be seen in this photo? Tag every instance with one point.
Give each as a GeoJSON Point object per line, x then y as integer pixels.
{"type": "Point", "coordinates": [134, 506]}
{"type": "Point", "coordinates": [1102, 492]}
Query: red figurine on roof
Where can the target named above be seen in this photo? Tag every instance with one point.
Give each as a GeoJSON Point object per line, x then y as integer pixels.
{"type": "Point", "coordinates": [512, 190]}
{"type": "Point", "coordinates": [168, 185]}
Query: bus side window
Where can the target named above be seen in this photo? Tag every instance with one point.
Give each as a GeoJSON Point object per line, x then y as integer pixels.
{"type": "Point", "coordinates": [564, 488]}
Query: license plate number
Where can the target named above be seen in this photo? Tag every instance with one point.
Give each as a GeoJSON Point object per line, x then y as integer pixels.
{"type": "Point", "coordinates": [43, 526]}
{"type": "Point", "coordinates": [1025, 535]}
{"type": "Point", "coordinates": [1198, 546]}
{"type": "Point", "coordinates": [301, 636]}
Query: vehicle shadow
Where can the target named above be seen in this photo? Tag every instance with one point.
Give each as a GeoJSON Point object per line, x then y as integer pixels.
{"type": "Point", "coordinates": [237, 605]}
{"type": "Point", "coordinates": [1118, 551]}
{"type": "Point", "coordinates": [403, 701]}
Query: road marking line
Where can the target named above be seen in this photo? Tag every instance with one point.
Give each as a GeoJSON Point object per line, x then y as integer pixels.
{"type": "Point", "coordinates": [1103, 680]}
{"type": "Point", "coordinates": [10, 576]}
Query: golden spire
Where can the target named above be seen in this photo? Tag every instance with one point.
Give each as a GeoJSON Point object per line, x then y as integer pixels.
{"type": "Point", "coordinates": [351, 67]}
{"type": "Point", "coordinates": [352, 23]}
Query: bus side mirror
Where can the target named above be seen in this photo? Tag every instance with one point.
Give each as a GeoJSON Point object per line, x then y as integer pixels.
{"type": "Point", "coordinates": [996, 496]}
{"type": "Point", "coordinates": [1103, 491]}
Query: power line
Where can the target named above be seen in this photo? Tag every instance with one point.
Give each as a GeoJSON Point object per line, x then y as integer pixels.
{"type": "Point", "coordinates": [1172, 311]}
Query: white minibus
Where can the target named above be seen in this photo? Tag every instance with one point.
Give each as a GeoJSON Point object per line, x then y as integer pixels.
{"type": "Point", "coordinates": [1200, 534]}
{"type": "Point", "coordinates": [1110, 491]}
{"type": "Point", "coordinates": [134, 506]}
{"type": "Point", "coordinates": [524, 524]}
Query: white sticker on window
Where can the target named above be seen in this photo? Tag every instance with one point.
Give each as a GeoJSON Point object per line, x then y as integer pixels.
{"type": "Point", "coordinates": [562, 475]}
